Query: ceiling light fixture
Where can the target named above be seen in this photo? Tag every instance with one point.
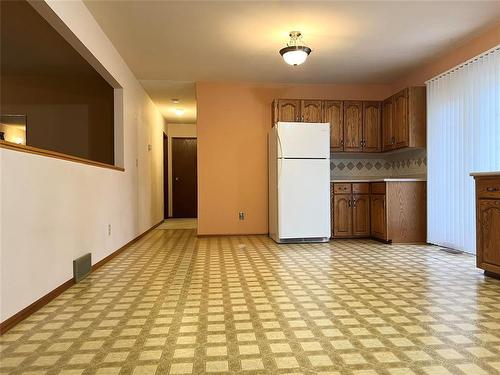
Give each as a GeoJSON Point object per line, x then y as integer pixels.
{"type": "Point", "coordinates": [179, 111]}
{"type": "Point", "coordinates": [175, 101]}
{"type": "Point", "coordinates": [295, 53]}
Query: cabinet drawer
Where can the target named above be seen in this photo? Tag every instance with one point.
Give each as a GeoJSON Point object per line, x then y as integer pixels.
{"type": "Point", "coordinates": [361, 188]}
{"type": "Point", "coordinates": [378, 187]}
{"type": "Point", "coordinates": [488, 188]}
{"type": "Point", "coordinates": [344, 188]}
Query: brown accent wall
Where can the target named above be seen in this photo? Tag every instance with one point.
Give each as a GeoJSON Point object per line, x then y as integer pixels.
{"type": "Point", "coordinates": [69, 106]}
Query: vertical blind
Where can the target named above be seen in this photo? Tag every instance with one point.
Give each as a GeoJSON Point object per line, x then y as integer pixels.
{"type": "Point", "coordinates": [463, 136]}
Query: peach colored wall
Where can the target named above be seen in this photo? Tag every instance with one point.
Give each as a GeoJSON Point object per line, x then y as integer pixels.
{"type": "Point", "coordinates": [233, 120]}
{"type": "Point", "coordinates": [451, 58]}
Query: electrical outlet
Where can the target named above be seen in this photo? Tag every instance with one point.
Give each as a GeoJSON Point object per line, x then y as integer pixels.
{"type": "Point", "coordinates": [241, 216]}
{"type": "Point", "coordinates": [109, 229]}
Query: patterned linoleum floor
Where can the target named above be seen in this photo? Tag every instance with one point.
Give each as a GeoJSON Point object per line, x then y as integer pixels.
{"type": "Point", "coordinates": [176, 304]}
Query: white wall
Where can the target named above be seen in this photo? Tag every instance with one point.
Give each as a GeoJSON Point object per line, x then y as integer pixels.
{"type": "Point", "coordinates": [176, 131]}
{"type": "Point", "coordinates": [52, 211]}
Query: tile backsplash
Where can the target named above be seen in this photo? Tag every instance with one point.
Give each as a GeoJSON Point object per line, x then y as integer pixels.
{"type": "Point", "coordinates": [396, 164]}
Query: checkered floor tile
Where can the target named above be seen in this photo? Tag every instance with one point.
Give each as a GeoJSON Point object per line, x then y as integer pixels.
{"type": "Point", "coordinates": [177, 304]}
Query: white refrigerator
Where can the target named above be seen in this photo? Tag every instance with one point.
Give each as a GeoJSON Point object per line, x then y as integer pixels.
{"type": "Point", "coordinates": [299, 182]}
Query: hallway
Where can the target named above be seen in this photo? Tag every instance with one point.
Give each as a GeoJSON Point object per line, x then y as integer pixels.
{"type": "Point", "coordinates": [174, 303]}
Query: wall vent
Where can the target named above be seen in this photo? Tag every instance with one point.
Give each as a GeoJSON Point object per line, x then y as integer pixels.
{"type": "Point", "coordinates": [82, 267]}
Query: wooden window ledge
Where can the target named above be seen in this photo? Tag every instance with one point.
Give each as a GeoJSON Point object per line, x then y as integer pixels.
{"type": "Point", "coordinates": [56, 155]}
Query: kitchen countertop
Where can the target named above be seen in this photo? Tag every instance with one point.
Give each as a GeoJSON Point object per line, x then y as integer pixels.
{"type": "Point", "coordinates": [485, 174]}
{"type": "Point", "coordinates": [376, 179]}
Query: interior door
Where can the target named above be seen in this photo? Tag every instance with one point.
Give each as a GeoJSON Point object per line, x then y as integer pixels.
{"type": "Point", "coordinates": [303, 198]}
{"type": "Point", "coordinates": [184, 184]}
{"type": "Point", "coordinates": [333, 113]}
{"type": "Point", "coordinates": [165, 176]}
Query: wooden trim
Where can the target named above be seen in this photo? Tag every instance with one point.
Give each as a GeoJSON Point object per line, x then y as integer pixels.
{"type": "Point", "coordinates": [105, 260]}
{"type": "Point", "coordinates": [38, 304]}
{"type": "Point", "coordinates": [35, 306]}
{"type": "Point", "coordinates": [56, 155]}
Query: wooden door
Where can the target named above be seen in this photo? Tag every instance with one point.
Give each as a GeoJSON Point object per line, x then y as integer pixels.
{"type": "Point", "coordinates": [353, 125]}
{"type": "Point", "coordinates": [488, 232]}
{"type": "Point", "coordinates": [400, 120]}
{"type": "Point", "coordinates": [387, 136]}
{"type": "Point", "coordinates": [165, 176]}
{"type": "Point", "coordinates": [333, 112]}
{"type": "Point", "coordinates": [184, 183]}
{"type": "Point", "coordinates": [378, 217]}
{"type": "Point", "coordinates": [361, 215]}
{"type": "Point", "coordinates": [311, 110]}
{"type": "Point", "coordinates": [289, 110]}
{"type": "Point", "coordinates": [342, 216]}
{"type": "Point", "coordinates": [371, 127]}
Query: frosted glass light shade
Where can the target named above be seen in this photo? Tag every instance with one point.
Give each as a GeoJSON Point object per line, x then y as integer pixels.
{"type": "Point", "coordinates": [295, 55]}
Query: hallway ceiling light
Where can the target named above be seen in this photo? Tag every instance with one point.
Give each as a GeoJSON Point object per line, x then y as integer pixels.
{"type": "Point", "coordinates": [179, 111]}
{"type": "Point", "coordinates": [175, 101]}
{"type": "Point", "coordinates": [295, 53]}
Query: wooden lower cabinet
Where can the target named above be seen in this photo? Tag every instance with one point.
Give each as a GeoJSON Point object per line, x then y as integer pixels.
{"type": "Point", "coordinates": [361, 215]}
{"type": "Point", "coordinates": [351, 212]}
{"type": "Point", "coordinates": [378, 222]}
{"type": "Point", "coordinates": [392, 211]}
{"type": "Point", "coordinates": [488, 224]}
{"type": "Point", "coordinates": [342, 212]}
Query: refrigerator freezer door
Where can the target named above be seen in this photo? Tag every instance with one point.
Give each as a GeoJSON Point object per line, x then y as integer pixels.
{"type": "Point", "coordinates": [303, 198]}
{"type": "Point", "coordinates": [301, 140]}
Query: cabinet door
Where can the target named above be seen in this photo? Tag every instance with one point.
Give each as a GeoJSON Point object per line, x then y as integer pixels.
{"type": "Point", "coordinates": [342, 216]}
{"type": "Point", "coordinates": [378, 217]}
{"type": "Point", "coordinates": [400, 119]}
{"type": "Point", "coordinates": [333, 112]}
{"type": "Point", "coordinates": [387, 135]}
{"type": "Point", "coordinates": [361, 215]}
{"type": "Point", "coordinates": [288, 110]}
{"type": "Point", "coordinates": [488, 232]}
{"type": "Point", "coordinates": [353, 125]}
{"type": "Point", "coordinates": [371, 127]}
{"type": "Point", "coordinates": [311, 110]}
{"type": "Point", "coordinates": [332, 218]}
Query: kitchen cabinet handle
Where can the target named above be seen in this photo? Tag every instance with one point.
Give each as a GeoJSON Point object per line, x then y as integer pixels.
{"type": "Point", "coordinates": [349, 203]}
{"type": "Point", "coordinates": [302, 118]}
{"type": "Point", "coordinates": [491, 189]}
{"type": "Point", "coordinates": [342, 142]}
{"type": "Point", "coordinates": [354, 203]}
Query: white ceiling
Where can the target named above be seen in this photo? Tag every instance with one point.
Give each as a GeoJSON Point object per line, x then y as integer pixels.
{"type": "Point", "coordinates": [352, 41]}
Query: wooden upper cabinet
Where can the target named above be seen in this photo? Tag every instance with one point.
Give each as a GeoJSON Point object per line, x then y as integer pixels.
{"type": "Point", "coordinates": [371, 127]}
{"type": "Point", "coordinates": [404, 119]}
{"type": "Point", "coordinates": [361, 215]}
{"type": "Point", "coordinates": [333, 112]}
{"type": "Point", "coordinates": [311, 110]}
{"type": "Point", "coordinates": [387, 143]}
{"type": "Point", "coordinates": [288, 110]}
{"type": "Point", "coordinates": [400, 120]}
{"type": "Point", "coordinates": [353, 126]}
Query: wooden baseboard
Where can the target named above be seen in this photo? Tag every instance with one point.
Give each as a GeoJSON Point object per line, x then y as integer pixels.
{"type": "Point", "coordinates": [38, 304]}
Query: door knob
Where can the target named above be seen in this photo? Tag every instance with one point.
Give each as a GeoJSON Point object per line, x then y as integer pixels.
{"type": "Point", "coordinates": [177, 179]}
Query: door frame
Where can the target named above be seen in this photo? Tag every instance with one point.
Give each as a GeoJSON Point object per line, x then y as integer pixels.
{"type": "Point", "coordinates": [170, 170]}
{"type": "Point", "coordinates": [165, 175]}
